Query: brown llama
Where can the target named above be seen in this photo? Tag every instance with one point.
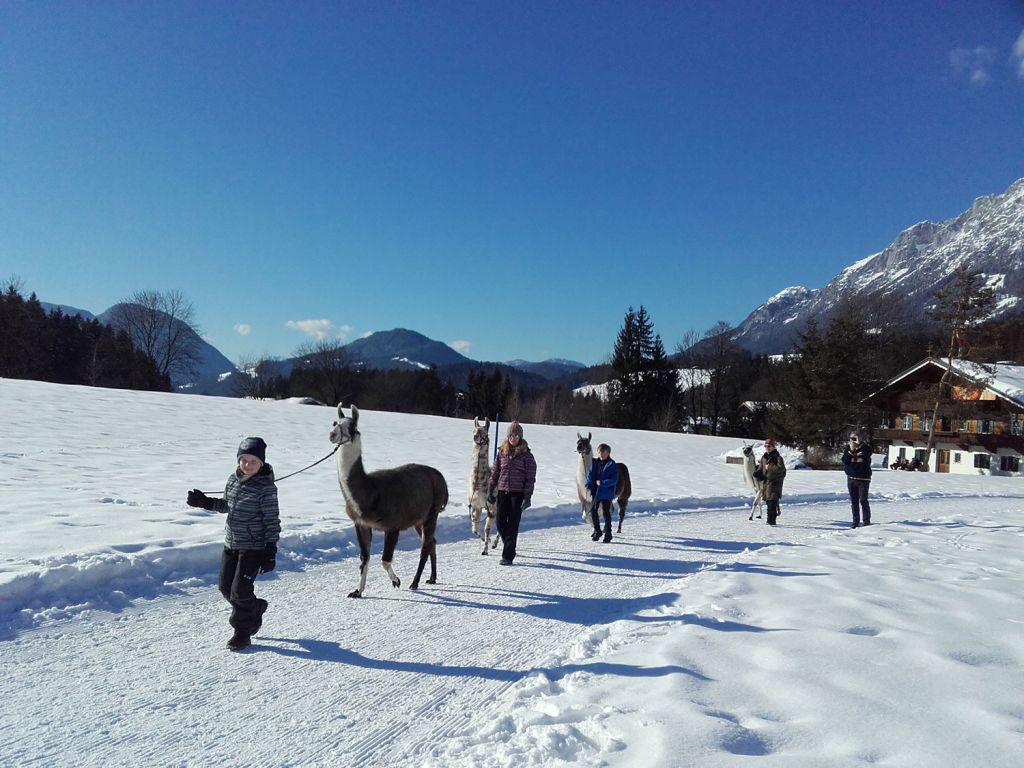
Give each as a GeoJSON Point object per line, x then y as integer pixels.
{"type": "Point", "coordinates": [623, 488]}
{"type": "Point", "coordinates": [388, 500]}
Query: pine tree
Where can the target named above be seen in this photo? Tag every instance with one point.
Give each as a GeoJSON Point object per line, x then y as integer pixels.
{"type": "Point", "coordinates": [643, 391]}
{"type": "Point", "coordinates": [825, 384]}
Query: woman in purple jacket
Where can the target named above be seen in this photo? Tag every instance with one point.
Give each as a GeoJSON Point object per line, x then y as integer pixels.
{"type": "Point", "coordinates": [512, 479]}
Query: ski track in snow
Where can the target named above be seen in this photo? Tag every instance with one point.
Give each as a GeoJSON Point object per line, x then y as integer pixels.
{"type": "Point", "coordinates": [390, 683]}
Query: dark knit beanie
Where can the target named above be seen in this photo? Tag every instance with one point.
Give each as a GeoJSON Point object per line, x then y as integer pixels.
{"type": "Point", "coordinates": [253, 446]}
{"type": "Point", "coordinates": [515, 428]}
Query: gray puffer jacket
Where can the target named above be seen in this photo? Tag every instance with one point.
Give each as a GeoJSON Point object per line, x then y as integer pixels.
{"type": "Point", "coordinates": [251, 505]}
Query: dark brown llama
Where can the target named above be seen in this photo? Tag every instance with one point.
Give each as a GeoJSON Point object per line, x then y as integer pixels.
{"type": "Point", "coordinates": [623, 488]}
{"type": "Point", "coordinates": [388, 500]}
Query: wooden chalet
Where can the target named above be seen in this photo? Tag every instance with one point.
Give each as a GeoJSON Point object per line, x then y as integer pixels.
{"type": "Point", "coordinates": [981, 420]}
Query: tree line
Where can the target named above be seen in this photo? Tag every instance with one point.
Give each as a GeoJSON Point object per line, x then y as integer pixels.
{"type": "Point", "coordinates": [68, 349]}
{"type": "Point", "coordinates": [710, 385]}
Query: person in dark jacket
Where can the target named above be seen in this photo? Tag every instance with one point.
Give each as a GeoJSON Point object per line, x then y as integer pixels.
{"type": "Point", "coordinates": [601, 482]}
{"type": "Point", "coordinates": [771, 470]}
{"type": "Point", "coordinates": [252, 530]}
{"type": "Point", "coordinates": [513, 476]}
{"type": "Point", "coordinates": [857, 463]}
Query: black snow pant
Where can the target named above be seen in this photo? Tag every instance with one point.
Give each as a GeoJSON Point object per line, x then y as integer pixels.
{"type": "Point", "coordinates": [510, 513]}
{"type": "Point", "coordinates": [773, 510]}
{"type": "Point", "coordinates": [606, 507]}
{"type": "Point", "coordinates": [859, 499]}
{"type": "Point", "coordinates": [238, 570]}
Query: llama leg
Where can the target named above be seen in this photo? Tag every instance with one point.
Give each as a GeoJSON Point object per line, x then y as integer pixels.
{"type": "Point", "coordinates": [622, 512]}
{"type": "Point", "coordinates": [390, 540]}
{"type": "Point", "coordinates": [474, 517]}
{"type": "Point", "coordinates": [364, 535]}
{"type": "Point", "coordinates": [488, 524]}
{"type": "Point", "coordinates": [427, 549]}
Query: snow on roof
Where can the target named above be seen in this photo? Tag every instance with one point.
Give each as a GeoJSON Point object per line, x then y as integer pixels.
{"type": "Point", "coordinates": [1004, 379]}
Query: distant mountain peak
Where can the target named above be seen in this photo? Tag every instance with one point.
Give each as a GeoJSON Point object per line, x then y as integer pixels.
{"type": "Point", "coordinates": [988, 237]}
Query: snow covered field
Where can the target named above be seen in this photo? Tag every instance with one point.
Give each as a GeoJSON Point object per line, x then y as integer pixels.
{"type": "Point", "coordinates": [694, 638]}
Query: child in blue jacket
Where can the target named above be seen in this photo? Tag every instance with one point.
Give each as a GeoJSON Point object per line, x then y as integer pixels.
{"type": "Point", "coordinates": [601, 482]}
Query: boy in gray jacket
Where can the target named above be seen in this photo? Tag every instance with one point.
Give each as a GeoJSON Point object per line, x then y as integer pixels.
{"type": "Point", "coordinates": [252, 530]}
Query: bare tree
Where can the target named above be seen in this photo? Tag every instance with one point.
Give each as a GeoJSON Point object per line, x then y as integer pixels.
{"type": "Point", "coordinates": [959, 307]}
{"type": "Point", "coordinates": [692, 378]}
{"type": "Point", "coordinates": [163, 326]}
{"type": "Point", "coordinates": [325, 366]}
{"type": "Point", "coordinates": [253, 379]}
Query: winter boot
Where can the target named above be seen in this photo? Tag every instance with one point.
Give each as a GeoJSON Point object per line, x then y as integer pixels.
{"type": "Point", "coordinates": [607, 534]}
{"type": "Point", "coordinates": [238, 641]}
{"type": "Point", "coordinates": [596, 534]}
{"type": "Point", "coordinates": [261, 608]}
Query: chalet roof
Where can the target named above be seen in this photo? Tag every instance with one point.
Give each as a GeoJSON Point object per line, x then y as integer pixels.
{"type": "Point", "coordinates": [1002, 379]}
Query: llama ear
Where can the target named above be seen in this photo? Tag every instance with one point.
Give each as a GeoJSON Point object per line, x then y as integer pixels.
{"type": "Point", "coordinates": [579, 436]}
{"type": "Point", "coordinates": [341, 413]}
{"type": "Point", "coordinates": [476, 423]}
{"type": "Point", "coordinates": [487, 423]}
{"type": "Point", "coordinates": [590, 436]}
{"type": "Point", "coordinates": [355, 415]}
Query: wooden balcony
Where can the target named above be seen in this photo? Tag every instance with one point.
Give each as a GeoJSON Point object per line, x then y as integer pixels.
{"type": "Point", "coordinates": [963, 440]}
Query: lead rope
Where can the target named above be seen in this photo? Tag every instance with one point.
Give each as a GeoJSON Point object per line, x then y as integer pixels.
{"type": "Point", "coordinates": [318, 461]}
{"type": "Point", "coordinates": [293, 474]}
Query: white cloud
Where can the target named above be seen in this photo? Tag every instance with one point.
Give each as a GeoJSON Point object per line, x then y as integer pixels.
{"type": "Point", "coordinates": [973, 64]}
{"type": "Point", "coordinates": [1018, 55]}
{"type": "Point", "coordinates": [243, 329]}
{"type": "Point", "coordinates": [461, 346]}
{"type": "Point", "coordinates": [320, 329]}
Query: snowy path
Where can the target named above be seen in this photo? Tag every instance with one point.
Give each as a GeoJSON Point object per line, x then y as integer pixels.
{"type": "Point", "coordinates": [380, 681]}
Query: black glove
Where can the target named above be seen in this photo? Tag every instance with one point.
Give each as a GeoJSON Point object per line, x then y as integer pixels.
{"type": "Point", "coordinates": [491, 497]}
{"type": "Point", "coordinates": [197, 498]}
{"type": "Point", "coordinates": [269, 561]}
{"type": "Point", "coordinates": [526, 502]}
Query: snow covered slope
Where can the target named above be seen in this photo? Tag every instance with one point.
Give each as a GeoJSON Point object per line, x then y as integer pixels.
{"type": "Point", "coordinates": [694, 638]}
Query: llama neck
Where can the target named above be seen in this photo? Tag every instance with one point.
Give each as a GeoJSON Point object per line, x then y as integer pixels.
{"type": "Point", "coordinates": [480, 456]}
{"type": "Point", "coordinates": [352, 476]}
{"type": "Point", "coordinates": [583, 468]}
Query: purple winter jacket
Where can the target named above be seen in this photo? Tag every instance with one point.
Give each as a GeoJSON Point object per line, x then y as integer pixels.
{"type": "Point", "coordinates": [514, 470]}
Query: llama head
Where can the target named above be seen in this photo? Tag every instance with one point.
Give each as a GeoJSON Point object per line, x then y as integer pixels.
{"type": "Point", "coordinates": [480, 431]}
{"type": "Point", "coordinates": [748, 450]}
{"type": "Point", "coordinates": [345, 430]}
{"type": "Point", "coordinates": [583, 443]}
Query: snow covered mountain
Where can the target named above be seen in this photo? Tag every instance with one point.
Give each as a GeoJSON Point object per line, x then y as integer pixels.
{"type": "Point", "coordinates": [212, 375]}
{"type": "Point", "coordinates": [401, 348]}
{"type": "Point", "coordinates": [551, 369]}
{"type": "Point", "coordinates": [987, 237]}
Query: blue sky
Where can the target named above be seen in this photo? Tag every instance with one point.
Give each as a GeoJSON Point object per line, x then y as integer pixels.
{"type": "Point", "coordinates": [506, 177]}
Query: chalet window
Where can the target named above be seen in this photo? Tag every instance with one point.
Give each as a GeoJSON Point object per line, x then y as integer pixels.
{"type": "Point", "coordinates": [1017, 426]}
{"type": "Point", "coordinates": [985, 426]}
{"type": "Point", "coordinates": [926, 420]}
{"type": "Point", "coordinates": [906, 423]}
{"type": "Point", "coordinates": [965, 425]}
{"type": "Point", "coordinates": [1009, 463]}
{"type": "Point", "coordinates": [956, 458]}
{"type": "Point", "coordinates": [982, 461]}
{"type": "Point", "coordinates": [920, 454]}
{"type": "Point", "coordinates": [903, 453]}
